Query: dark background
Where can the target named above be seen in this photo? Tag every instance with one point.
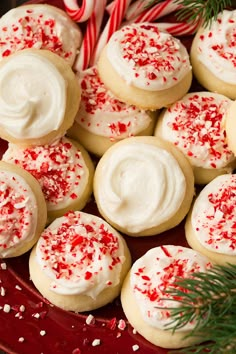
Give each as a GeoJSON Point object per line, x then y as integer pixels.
{"type": "Point", "coordinates": [6, 5]}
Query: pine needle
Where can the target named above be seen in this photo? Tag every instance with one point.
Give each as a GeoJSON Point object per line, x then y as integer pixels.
{"type": "Point", "coordinates": [193, 10]}
{"type": "Point", "coordinates": [208, 299]}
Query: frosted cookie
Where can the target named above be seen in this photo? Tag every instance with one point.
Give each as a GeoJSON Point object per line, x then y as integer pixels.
{"type": "Point", "coordinates": [23, 211]}
{"type": "Point", "coordinates": [230, 126]}
{"type": "Point", "coordinates": [145, 67]}
{"type": "Point", "coordinates": [196, 125]}
{"type": "Point", "coordinates": [213, 55]}
{"type": "Point", "coordinates": [145, 289]}
{"type": "Point", "coordinates": [103, 120]}
{"type": "Point", "coordinates": [39, 26]}
{"type": "Point", "coordinates": [210, 226]}
{"type": "Point", "coordinates": [79, 262]}
{"type": "Point", "coordinates": [143, 186]}
{"type": "Point", "coordinates": [63, 169]}
{"type": "Point", "coordinates": [39, 97]}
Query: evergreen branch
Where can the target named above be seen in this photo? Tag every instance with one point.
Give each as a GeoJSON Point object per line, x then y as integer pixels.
{"type": "Point", "coordinates": [193, 10]}
{"type": "Point", "coordinates": [208, 299]}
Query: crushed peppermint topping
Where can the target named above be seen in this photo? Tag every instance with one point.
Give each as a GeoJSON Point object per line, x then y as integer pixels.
{"type": "Point", "coordinates": [3, 266]}
{"type": "Point", "coordinates": [103, 113]}
{"type": "Point", "coordinates": [6, 308]}
{"type": "Point", "coordinates": [214, 221]}
{"type": "Point", "coordinates": [96, 342]}
{"type": "Point", "coordinates": [156, 272]}
{"type": "Point", "coordinates": [32, 30]}
{"type": "Point", "coordinates": [16, 222]}
{"type": "Point", "coordinates": [135, 347]}
{"type": "Point", "coordinates": [79, 250]}
{"type": "Point", "coordinates": [148, 58]}
{"type": "Point", "coordinates": [198, 130]}
{"type": "Point", "coordinates": [59, 168]}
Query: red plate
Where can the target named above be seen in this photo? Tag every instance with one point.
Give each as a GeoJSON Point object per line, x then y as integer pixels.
{"type": "Point", "coordinates": [33, 326]}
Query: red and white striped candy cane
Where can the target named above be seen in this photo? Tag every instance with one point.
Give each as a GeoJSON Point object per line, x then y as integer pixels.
{"type": "Point", "coordinates": [136, 8]}
{"type": "Point", "coordinates": [90, 36]}
{"type": "Point", "coordinates": [179, 28]}
{"type": "Point", "coordinates": [114, 22]}
{"type": "Point", "coordinates": [79, 14]}
{"type": "Point", "coordinates": [159, 10]}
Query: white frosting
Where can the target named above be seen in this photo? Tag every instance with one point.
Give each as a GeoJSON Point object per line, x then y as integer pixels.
{"type": "Point", "coordinates": [154, 273]}
{"type": "Point", "coordinates": [148, 58]}
{"type": "Point", "coordinates": [102, 114]}
{"type": "Point", "coordinates": [32, 96]}
{"type": "Point", "coordinates": [59, 168]}
{"type": "Point", "coordinates": [195, 124]}
{"type": "Point", "coordinates": [81, 254]}
{"type": "Point", "coordinates": [217, 47]}
{"type": "Point", "coordinates": [39, 27]}
{"type": "Point", "coordinates": [138, 189]}
{"type": "Point", "coordinates": [18, 212]}
{"type": "Point", "coordinates": [213, 216]}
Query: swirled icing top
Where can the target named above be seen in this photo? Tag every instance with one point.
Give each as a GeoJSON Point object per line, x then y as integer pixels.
{"type": "Point", "coordinates": [81, 254]}
{"type": "Point", "coordinates": [39, 27]}
{"type": "Point", "coordinates": [32, 96]}
{"type": "Point", "coordinates": [59, 168]}
{"type": "Point", "coordinates": [154, 273]}
{"type": "Point", "coordinates": [103, 114]}
{"type": "Point", "coordinates": [148, 58]}
{"type": "Point", "coordinates": [217, 46]}
{"type": "Point", "coordinates": [213, 216]}
{"type": "Point", "coordinates": [138, 189]}
{"type": "Point", "coordinates": [18, 212]}
{"type": "Point", "coordinates": [195, 124]}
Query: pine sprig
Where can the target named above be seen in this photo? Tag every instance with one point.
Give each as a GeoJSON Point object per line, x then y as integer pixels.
{"type": "Point", "coordinates": [208, 299]}
{"type": "Point", "coordinates": [193, 10]}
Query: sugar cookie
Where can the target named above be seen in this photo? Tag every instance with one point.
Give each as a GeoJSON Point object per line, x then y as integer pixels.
{"type": "Point", "coordinates": [79, 262]}
{"type": "Point", "coordinates": [145, 67]}
{"type": "Point", "coordinates": [144, 290]}
{"type": "Point", "coordinates": [23, 211]}
{"type": "Point", "coordinates": [143, 186]}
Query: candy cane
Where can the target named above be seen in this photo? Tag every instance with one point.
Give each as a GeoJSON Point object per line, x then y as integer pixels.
{"type": "Point", "coordinates": [136, 8]}
{"type": "Point", "coordinates": [112, 25]}
{"type": "Point", "coordinates": [159, 10]}
{"type": "Point", "coordinates": [79, 14]}
{"type": "Point", "coordinates": [179, 28]}
{"type": "Point", "coordinates": [91, 35]}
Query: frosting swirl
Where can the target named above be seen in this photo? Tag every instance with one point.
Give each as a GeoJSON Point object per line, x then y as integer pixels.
{"type": "Point", "coordinates": [81, 254]}
{"type": "Point", "coordinates": [18, 212]}
{"type": "Point", "coordinates": [103, 114]}
{"type": "Point", "coordinates": [147, 58]}
{"type": "Point", "coordinates": [59, 168]}
{"type": "Point", "coordinates": [213, 216]}
{"type": "Point", "coordinates": [138, 189]}
{"type": "Point", "coordinates": [32, 96]}
{"type": "Point", "coordinates": [154, 273]}
{"type": "Point", "coordinates": [217, 46]}
{"type": "Point", "coordinates": [195, 125]}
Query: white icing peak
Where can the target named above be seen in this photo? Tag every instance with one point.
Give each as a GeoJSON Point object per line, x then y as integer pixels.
{"type": "Point", "coordinates": [217, 47]}
{"type": "Point", "coordinates": [59, 168]}
{"type": "Point", "coordinates": [81, 254]}
{"type": "Point", "coordinates": [148, 58]}
{"type": "Point", "coordinates": [213, 216]}
{"type": "Point", "coordinates": [32, 96]}
{"type": "Point", "coordinates": [138, 189]}
{"type": "Point", "coordinates": [39, 27]}
{"type": "Point", "coordinates": [18, 212]}
{"type": "Point", "coordinates": [154, 273]}
{"type": "Point", "coordinates": [195, 124]}
{"type": "Point", "coordinates": [103, 114]}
